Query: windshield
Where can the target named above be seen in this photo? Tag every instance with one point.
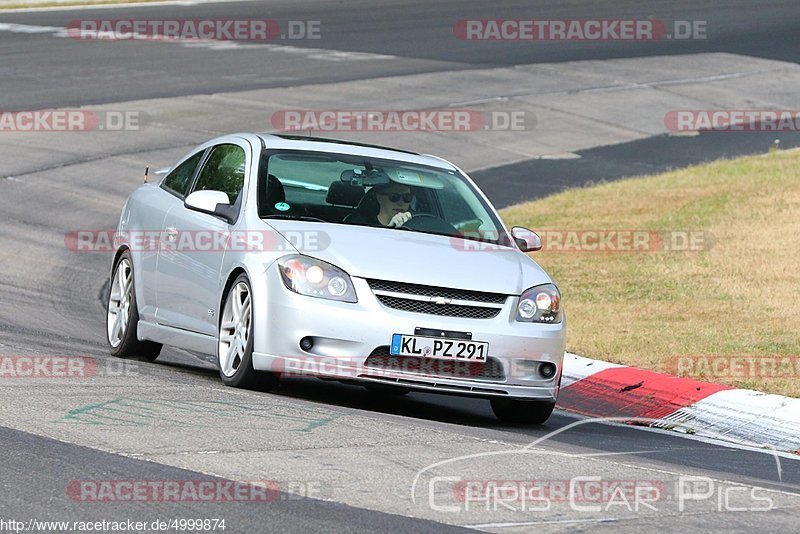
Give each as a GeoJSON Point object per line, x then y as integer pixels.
{"type": "Point", "coordinates": [355, 190]}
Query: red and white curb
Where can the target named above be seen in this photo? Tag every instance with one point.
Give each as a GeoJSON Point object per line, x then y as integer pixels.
{"type": "Point", "coordinates": [746, 417]}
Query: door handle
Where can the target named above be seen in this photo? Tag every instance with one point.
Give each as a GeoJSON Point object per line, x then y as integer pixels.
{"type": "Point", "coordinates": [171, 233]}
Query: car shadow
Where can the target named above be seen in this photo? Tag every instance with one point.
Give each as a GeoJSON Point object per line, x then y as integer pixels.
{"type": "Point", "coordinates": [450, 409]}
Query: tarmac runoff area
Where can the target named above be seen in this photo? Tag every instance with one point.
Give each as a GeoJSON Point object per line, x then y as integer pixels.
{"type": "Point", "coordinates": [515, 115]}
{"type": "Point", "coordinates": [320, 434]}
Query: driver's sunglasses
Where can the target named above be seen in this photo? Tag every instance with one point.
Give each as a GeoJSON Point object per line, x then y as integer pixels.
{"type": "Point", "coordinates": [396, 197]}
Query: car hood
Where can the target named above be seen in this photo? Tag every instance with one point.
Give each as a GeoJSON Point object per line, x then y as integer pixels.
{"type": "Point", "coordinates": [413, 257]}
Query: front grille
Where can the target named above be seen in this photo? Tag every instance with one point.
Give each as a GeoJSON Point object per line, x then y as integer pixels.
{"type": "Point", "coordinates": [433, 291]}
{"type": "Point", "coordinates": [418, 298]}
{"type": "Point", "coordinates": [380, 358]}
{"type": "Point", "coordinates": [450, 310]}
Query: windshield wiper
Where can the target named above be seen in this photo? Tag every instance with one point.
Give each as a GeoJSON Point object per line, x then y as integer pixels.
{"type": "Point", "coordinates": [293, 217]}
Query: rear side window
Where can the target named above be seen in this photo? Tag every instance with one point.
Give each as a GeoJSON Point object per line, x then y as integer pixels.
{"type": "Point", "coordinates": [223, 171]}
{"type": "Point", "coordinates": [180, 178]}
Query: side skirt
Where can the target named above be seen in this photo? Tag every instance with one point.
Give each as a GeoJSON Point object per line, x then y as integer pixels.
{"type": "Point", "coordinates": [176, 337]}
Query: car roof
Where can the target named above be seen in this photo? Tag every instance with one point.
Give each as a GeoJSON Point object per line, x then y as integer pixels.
{"type": "Point", "coordinates": [322, 144]}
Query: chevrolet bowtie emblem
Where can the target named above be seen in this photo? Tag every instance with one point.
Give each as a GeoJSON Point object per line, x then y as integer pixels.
{"type": "Point", "coordinates": [441, 300]}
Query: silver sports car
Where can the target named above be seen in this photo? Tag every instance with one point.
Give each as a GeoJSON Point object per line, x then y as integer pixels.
{"type": "Point", "coordinates": [279, 255]}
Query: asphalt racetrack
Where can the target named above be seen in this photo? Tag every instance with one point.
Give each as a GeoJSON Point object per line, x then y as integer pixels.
{"type": "Point", "coordinates": [341, 459]}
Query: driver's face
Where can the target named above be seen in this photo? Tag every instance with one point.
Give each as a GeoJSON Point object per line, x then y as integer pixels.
{"type": "Point", "coordinates": [394, 199]}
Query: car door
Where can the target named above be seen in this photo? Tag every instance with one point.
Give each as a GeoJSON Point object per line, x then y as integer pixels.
{"type": "Point", "coordinates": [191, 254]}
{"type": "Point", "coordinates": [150, 217]}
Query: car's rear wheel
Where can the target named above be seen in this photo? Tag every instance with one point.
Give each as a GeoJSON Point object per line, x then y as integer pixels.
{"type": "Point", "coordinates": [235, 341]}
{"type": "Point", "coordinates": [122, 315]}
{"type": "Point", "coordinates": [522, 411]}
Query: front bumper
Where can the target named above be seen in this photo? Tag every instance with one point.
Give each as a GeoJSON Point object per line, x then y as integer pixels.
{"type": "Point", "coordinates": [345, 335]}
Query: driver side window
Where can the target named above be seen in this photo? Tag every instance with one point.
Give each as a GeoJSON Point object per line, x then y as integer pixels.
{"type": "Point", "coordinates": [223, 171]}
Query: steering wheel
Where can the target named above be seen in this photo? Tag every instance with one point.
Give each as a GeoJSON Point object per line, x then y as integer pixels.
{"type": "Point", "coordinates": [430, 223]}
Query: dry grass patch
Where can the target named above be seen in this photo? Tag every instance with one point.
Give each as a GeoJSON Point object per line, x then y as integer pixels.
{"type": "Point", "coordinates": [738, 297]}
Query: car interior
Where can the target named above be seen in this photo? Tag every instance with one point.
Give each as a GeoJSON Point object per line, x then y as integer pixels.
{"type": "Point", "coordinates": [340, 189]}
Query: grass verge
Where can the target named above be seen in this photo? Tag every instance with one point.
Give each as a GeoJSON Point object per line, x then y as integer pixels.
{"type": "Point", "coordinates": [727, 311]}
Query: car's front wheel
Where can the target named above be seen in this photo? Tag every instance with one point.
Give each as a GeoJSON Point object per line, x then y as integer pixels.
{"type": "Point", "coordinates": [122, 315]}
{"type": "Point", "coordinates": [235, 341]}
{"type": "Point", "coordinates": [522, 411]}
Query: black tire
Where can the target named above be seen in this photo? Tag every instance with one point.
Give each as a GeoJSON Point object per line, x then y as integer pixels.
{"type": "Point", "coordinates": [522, 411]}
{"type": "Point", "coordinates": [243, 375]}
{"type": "Point", "coordinates": [126, 344]}
{"type": "Point", "coordinates": [387, 391]}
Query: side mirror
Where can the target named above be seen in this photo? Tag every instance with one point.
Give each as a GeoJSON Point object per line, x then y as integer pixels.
{"type": "Point", "coordinates": [526, 240]}
{"type": "Point", "coordinates": [213, 203]}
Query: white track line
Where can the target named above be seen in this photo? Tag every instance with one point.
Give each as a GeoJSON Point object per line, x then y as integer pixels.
{"type": "Point", "coordinates": [321, 54]}
{"type": "Point", "coordinates": [33, 9]}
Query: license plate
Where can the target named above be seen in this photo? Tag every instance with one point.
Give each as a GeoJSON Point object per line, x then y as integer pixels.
{"type": "Point", "coordinates": [440, 348]}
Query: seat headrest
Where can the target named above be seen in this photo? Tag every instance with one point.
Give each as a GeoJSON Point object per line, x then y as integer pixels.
{"type": "Point", "coordinates": [369, 204]}
{"type": "Point", "coordinates": [275, 191]}
{"type": "Point", "coordinates": [342, 194]}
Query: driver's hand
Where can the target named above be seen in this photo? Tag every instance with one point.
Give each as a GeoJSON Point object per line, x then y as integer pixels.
{"type": "Point", "coordinates": [400, 219]}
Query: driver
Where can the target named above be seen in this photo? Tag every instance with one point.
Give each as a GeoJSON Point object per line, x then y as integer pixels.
{"type": "Point", "coordinates": [394, 200]}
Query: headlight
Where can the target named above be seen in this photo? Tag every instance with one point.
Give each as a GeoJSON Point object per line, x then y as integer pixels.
{"type": "Point", "coordinates": [316, 278]}
{"type": "Point", "coordinates": [540, 304]}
